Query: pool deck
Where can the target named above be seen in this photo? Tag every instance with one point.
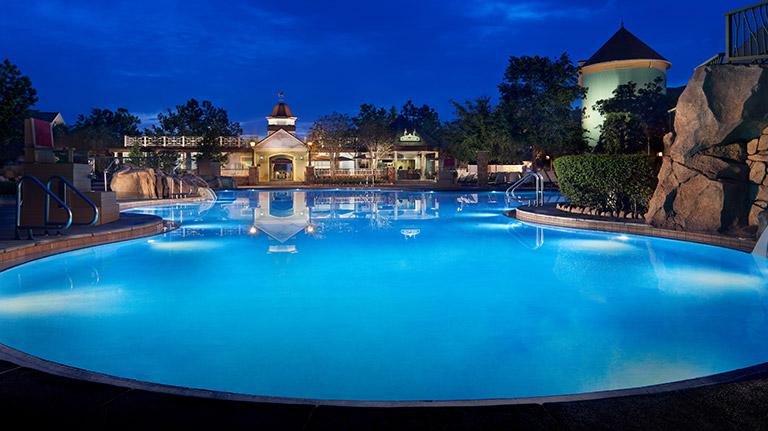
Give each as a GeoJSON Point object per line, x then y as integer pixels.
{"type": "Point", "coordinates": [128, 226]}
{"type": "Point", "coordinates": [38, 397]}
{"type": "Point", "coordinates": [38, 394]}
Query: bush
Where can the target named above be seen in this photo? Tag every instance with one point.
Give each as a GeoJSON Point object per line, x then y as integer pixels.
{"type": "Point", "coordinates": [607, 182]}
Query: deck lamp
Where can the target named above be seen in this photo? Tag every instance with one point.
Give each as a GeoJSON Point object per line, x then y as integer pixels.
{"type": "Point", "coordinates": [660, 154]}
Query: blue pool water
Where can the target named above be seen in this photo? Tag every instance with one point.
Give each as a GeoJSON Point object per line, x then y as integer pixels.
{"type": "Point", "coordinates": [388, 296]}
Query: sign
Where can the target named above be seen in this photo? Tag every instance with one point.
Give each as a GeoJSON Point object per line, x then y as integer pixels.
{"type": "Point", "coordinates": [410, 137]}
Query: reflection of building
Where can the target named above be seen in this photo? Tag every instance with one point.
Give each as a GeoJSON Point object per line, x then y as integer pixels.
{"type": "Point", "coordinates": [282, 157]}
{"type": "Point", "coordinates": [281, 215]}
{"type": "Point", "coordinates": [622, 59]}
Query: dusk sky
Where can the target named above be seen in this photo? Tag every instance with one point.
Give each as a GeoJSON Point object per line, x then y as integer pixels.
{"type": "Point", "coordinates": [326, 56]}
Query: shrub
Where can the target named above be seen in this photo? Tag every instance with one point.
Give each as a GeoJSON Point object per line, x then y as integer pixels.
{"type": "Point", "coordinates": [607, 182]}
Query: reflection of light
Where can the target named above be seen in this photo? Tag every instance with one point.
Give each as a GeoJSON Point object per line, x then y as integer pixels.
{"type": "Point", "coordinates": [410, 233]}
{"type": "Point", "coordinates": [699, 280]}
{"type": "Point", "coordinates": [622, 238]}
{"type": "Point", "coordinates": [594, 245]}
{"type": "Point", "coordinates": [310, 229]}
{"type": "Point", "coordinates": [480, 214]}
{"type": "Point", "coordinates": [252, 230]}
{"type": "Point", "coordinates": [496, 226]}
{"type": "Point", "coordinates": [187, 245]}
{"type": "Point", "coordinates": [204, 226]}
{"type": "Point", "coordinates": [79, 300]}
{"type": "Point", "coordinates": [282, 249]}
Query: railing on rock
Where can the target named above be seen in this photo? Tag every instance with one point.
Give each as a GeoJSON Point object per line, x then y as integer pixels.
{"type": "Point", "coordinates": [746, 34]}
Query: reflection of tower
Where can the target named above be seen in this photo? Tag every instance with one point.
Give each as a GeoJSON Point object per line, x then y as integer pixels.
{"type": "Point", "coordinates": [622, 59]}
{"type": "Point", "coordinates": [281, 215]}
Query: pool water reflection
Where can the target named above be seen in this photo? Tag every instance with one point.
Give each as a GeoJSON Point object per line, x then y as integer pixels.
{"type": "Point", "coordinates": [386, 295]}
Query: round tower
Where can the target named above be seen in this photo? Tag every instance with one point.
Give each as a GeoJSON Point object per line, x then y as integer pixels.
{"type": "Point", "coordinates": [622, 59]}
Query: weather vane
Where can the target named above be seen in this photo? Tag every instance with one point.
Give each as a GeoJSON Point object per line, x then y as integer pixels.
{"type": "Point", "coordinates": [281, 96]}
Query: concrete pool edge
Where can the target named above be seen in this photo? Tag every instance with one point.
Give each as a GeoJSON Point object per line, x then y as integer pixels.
{"type": "Point", "coordinates": [141, 226]}
{"type": "Point", "coordinates": [25, 360]}
{"type": "Point", "coordinates": [537, 216]}
{"type": "Point", "coordinates": [145, 225]}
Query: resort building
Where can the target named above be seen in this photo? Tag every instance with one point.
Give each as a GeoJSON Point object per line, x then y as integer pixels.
{"type": "Point", "coordinates": [622, 59]}
{"type": "Point", "coordinates": [281, 156]}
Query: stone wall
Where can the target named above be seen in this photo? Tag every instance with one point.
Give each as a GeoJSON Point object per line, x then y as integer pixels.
{"type": "Point", "coordinates": [713, 176]}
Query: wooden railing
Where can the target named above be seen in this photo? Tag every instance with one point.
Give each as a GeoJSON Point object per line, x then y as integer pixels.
{"type": "Point", "coordinates": [746, 34]}
{"type": "Point", "coordinates": [187, 141]}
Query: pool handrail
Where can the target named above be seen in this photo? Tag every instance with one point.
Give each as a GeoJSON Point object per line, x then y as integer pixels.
{"type": "Point", "coordinates": [68, 184]}
{"type": "Point", "coordinates": [539, 188]}
{"type": "Point", "coordinates": [48, 193]}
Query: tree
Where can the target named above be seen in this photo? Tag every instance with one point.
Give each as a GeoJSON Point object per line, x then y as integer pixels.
{"type": "Point", "coordinates": [333, 134]}
{"type": "Point", "coordinates": [423, 119]}
{"type": "Point", "coordinates": [199, 119]}
{"type": "Point", "coordinates": [621, 133]}
{"type": "Point", "coordinates": [537, 99]}
{"type": "Point", "coordinates": [479, 126]}
{"type": "Point", "coordinates": [101, 130]}
{"type": "Point", "coordinates": [16, 97]}
{"type": "Point", "coordinates": [374, 132]}
{"type": "Point", "coordinates": [647, 105]}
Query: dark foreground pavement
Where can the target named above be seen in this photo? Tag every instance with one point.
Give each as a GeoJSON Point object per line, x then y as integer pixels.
{"type": "Point", "coordinates": [37, 398]}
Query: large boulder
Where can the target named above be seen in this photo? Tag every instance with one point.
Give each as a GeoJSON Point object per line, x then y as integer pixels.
{"type": "Point", "coordinates": [713, 176]}
{"type": "Point", "coordinates": [134, 183]}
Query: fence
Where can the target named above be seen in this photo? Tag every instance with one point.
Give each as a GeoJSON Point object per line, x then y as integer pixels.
{"type": "Point", "coordinates": [746, 34]}
{"type": "Point", "coordinates": [187, 141]}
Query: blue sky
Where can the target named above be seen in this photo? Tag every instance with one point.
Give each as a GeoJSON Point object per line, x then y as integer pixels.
{"type": "Point", "coordinates": [326, 56]}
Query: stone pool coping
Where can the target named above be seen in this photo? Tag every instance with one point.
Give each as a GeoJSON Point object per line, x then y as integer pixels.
{"type": "Point", "coordinates": [127, 227]}
{"type": "Point", "coordinates": [550, 216]}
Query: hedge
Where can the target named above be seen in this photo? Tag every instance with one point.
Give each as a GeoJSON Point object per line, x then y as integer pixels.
{"type": "Point", "coordinates": [607, 182]}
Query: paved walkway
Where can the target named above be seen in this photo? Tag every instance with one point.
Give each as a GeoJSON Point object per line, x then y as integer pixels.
{"type": "Point", "coordinates": [39, 398]}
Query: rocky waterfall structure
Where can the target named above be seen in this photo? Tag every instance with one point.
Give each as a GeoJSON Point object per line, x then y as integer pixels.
{"type": "Point", "coordinates": [713, 176]}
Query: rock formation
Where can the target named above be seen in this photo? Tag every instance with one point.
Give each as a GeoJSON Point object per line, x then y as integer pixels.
{"type": "Point", "coordinates": [148, 183]}
{"type": "Point", "coordinates": [713, 176]}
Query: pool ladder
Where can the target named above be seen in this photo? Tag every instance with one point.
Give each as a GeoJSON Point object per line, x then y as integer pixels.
{"type": "Point", "coordinates": [538, 198]}
{"type": "Point", "coordinates": [49, 194]}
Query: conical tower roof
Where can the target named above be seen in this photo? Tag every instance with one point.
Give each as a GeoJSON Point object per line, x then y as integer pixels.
{"type": "Point", "coordinates": [624, 46]}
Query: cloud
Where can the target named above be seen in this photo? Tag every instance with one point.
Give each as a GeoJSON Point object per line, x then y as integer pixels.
{"type": "Point", "coordinates": [512, 11]}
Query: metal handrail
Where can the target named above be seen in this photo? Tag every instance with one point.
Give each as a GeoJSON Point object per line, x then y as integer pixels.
{"type": "Point", "coordinates": [49, 193]}
{"type": "Point", "coordinates": [538, 199]}
{"type": "Point", "coordinates": [77, 191]}
{"type": "Point", "coordinates": [106, 170]}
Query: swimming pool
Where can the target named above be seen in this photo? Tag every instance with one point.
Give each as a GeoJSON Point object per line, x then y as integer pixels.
{"type": "Point", "coordinates": [349, 295]}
